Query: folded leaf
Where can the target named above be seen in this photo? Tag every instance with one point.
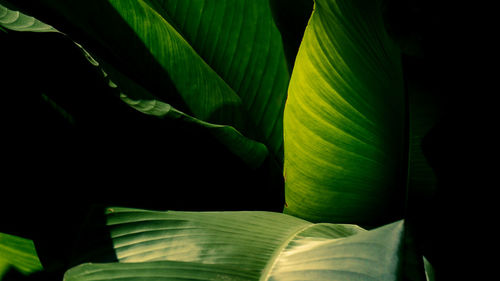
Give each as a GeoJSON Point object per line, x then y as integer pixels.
{"type": "Point", "coordinates": [19, 253]}
{"type": "Point", "coordinates": [243, 246]}
{"type": "Point", "coordinates": [344, 118]}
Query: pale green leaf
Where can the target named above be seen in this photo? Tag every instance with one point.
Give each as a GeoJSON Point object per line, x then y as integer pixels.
{"type": "Point", "coordinates": [17, 21]}
{"type": "Point", "coordinates": [344, 118]}
{"type": "Point", "coordinates": [242, 246]}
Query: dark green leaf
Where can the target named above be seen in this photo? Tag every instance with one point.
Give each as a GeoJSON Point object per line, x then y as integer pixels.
{"type": "Point", "coordinates": [226, 62]}
{"type": "Point", "coordinates": [250, 151]}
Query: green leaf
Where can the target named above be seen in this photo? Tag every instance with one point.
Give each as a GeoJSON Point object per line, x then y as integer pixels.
{"type": "Point", "coordinates": [253, 153]}
{"type": "Point", "coordinates": [14, 20]}
{"type": "Point", "coordinates": [228, 68]}
{"type": "Point", "coordinates": [19, 253]}
{"type": "Point", "coordinates": [344, 118]}
{"type": "Point", "coordinates": [243, 246]}
{"type": "Point", "coordinates": [429, 270]}
{"type": "Point", "coordinates": [226, 62]}
{"type": "Point", "coordinates": [234, 56]}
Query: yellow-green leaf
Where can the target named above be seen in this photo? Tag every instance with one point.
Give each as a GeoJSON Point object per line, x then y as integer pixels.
{"type": "Point", "coordinates": [344, 118]}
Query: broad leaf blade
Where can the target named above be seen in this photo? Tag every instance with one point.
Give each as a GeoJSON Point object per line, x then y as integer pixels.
{"type": "Point", "coordinates": [245, 245]}
{"type": "Point", "coordinates": [245, 239]}
{"type": "Point", "coordinates": [344, 118]}
{"type": "Point", "coordinates": [19, 253]}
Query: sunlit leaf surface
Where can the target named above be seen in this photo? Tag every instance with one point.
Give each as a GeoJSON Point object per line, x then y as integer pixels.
{"type": "Point", "coordinates": [344, 118]}
{"type": "Point", "coordinates": [242, 246]}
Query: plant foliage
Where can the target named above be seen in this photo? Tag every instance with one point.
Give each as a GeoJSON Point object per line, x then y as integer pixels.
{"type": "Point", "coordinates": [187, 83]}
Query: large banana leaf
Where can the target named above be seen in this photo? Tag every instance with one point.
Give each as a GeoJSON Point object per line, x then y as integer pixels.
{"type": "Point", "coordinates": [344, 118]}
{"type": "Point", "coordinates": [226, 63]}
{"type": "Point", "coordinates": [242, 246]}
{"type": "Point", "coordinates": [19, 253]}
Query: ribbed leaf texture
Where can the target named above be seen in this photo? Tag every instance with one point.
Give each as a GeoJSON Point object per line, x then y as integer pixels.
{"type": "Point", "coordinates": [242, 246]}
{"type": "Point", "coordinates": [344, 118]}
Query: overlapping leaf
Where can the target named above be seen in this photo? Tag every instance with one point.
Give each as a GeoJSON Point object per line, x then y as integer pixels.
{"type": "Point", "coordinates": [239, 40]}
{"type": "Point", "coordinates": [250, 151]}
{"type": "Point", "coordinates": [242, 246]}
{"type": "Point", "coordinates": [344, 118]}
{"type": "Point", "coordinates": [226, 62]}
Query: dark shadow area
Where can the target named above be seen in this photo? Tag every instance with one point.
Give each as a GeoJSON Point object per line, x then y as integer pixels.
{"type": "Point", "coordinates": [291, 18]}
{"type": "Point", "coordinates": [14, 275]}
{"type": "Point", "coordinates": [436, 39]}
